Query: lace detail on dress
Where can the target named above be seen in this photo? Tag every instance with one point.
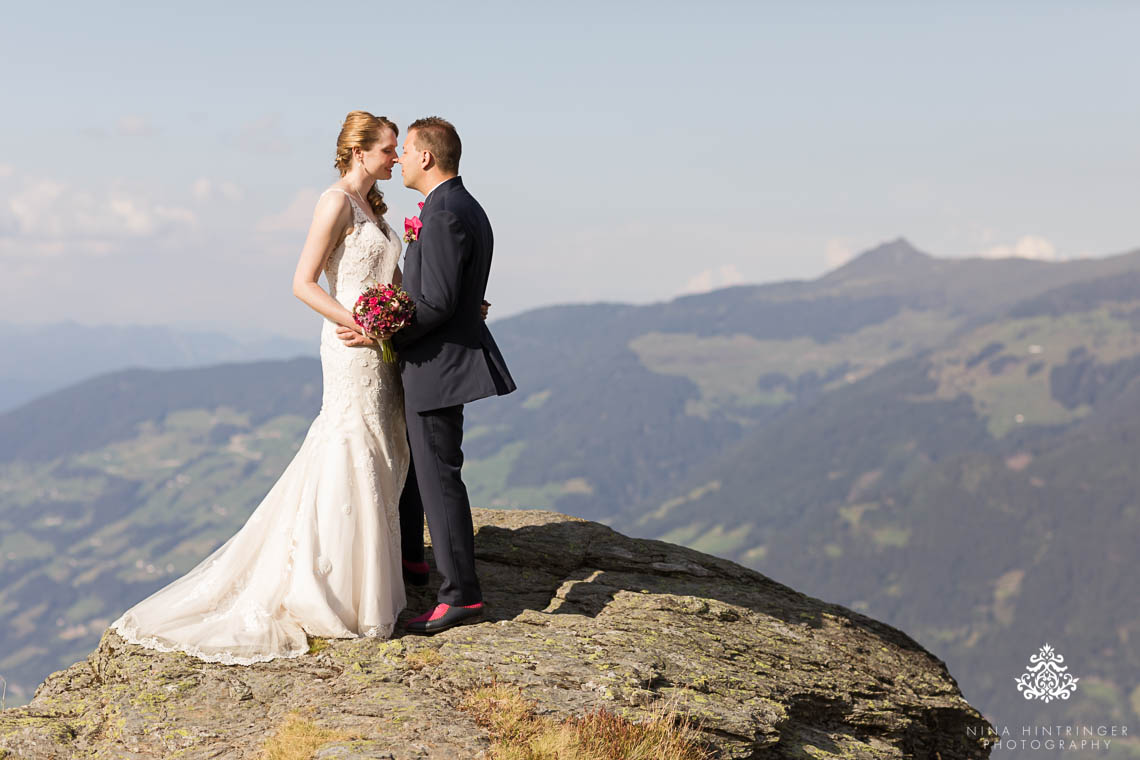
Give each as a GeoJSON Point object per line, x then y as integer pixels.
{"type": "Point", "coordinates": [133, 635]}
{"type": "Point", "coordinates": [375, 251]}
{"type": "Point", "coordinates": [320, 556]}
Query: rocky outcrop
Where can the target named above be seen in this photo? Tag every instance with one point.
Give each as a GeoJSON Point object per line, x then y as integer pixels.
{"type": "Point", "coordinates": [579, 617]}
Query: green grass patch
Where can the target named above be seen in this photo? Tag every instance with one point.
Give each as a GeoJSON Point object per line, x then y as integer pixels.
{"type": "Point", "coordinates": [1012, 397]}
{"type": "Point", "coordinates": [721, 541]}
{"type": "Point", "coordinates": [20, 545]}
{"type": "Point", "coordinates": [727, 368]}
{"type": "Point", "coordinates": [486, 481]}
{"type": "Point", "coordinates": [890, 536]}
{"type": "Point", "coordinates": [536, 400]}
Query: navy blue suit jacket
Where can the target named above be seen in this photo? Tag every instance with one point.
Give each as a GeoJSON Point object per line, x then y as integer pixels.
{"type": "Point", "coordinates": [447, 354]}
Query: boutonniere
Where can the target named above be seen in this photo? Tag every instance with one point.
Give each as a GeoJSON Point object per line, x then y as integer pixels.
{"type": "Point", "coordinates": [412, 228]}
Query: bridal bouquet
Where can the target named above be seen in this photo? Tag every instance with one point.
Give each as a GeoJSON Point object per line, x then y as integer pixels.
{"type": "Point", "coordinates": [384, 308]}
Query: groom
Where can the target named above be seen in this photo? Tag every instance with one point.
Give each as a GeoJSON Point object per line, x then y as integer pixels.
{"type": "Point", "coordinates": [447, 358]}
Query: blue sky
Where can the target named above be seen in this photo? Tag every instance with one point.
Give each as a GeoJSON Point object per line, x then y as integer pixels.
{"type": "Point", "coordinates": [159, 164]}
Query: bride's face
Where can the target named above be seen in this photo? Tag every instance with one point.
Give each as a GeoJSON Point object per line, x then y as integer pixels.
{"type": "Point", "coordinates": [381, 157]}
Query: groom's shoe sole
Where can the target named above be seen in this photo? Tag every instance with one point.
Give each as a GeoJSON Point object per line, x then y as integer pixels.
{"type": "Point", "coordinates": [453, 617]}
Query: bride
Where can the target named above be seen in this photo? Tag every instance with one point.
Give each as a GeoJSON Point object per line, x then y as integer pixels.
{"type": "Point", "coordinates": [321, 554]}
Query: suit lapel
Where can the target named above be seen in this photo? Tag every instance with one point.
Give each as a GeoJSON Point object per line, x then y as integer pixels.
{"type": "Point", "coordinates": [434, 197]}
{"type": "Point", "coordinates": [412, 252]}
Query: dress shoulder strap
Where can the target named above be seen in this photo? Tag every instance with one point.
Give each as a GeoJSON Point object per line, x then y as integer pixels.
{"type": "Point", "coordinates": [346, 195]}
{"type": "Point", "coordinates": [351, 201]}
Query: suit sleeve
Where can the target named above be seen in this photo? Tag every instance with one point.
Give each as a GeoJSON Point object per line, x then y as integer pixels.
{"type": "Point", "coordinates": [443, 251]}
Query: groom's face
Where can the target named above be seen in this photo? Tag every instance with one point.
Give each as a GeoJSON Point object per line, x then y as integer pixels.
{"type": "Point", "coordinates": [411, 161]}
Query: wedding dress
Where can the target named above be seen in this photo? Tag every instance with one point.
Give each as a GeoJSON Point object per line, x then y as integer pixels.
{"type": "Point", "coordinates": [321, 554]}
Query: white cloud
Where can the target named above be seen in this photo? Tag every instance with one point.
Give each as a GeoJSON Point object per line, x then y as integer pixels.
{"type": "Point", "coordinates": [837, 252]}
{"type": "Point", "coordinates": [296, 217]}
{"type": "Point", "coordinates": [1027, 247]}
{"type": "Point", "coordinates": [6, 171]}
{"type": "Point", "coordinates": [203, 190]}
{"type": "Point", "coordinates": [135, 126]}
{"type": "Point", "coordinates": [50, 217]}
{"type": "Point", "coordinates": [712, 279]}
{"type": "Point", "coordinates": [129, 215]}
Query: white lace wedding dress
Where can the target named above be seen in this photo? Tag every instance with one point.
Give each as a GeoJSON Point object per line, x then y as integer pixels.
{"type": "Point", "coordinates": [321, 554]}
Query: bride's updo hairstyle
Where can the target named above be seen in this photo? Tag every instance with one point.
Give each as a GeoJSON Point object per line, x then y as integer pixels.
{"type": "Point", "coordinates": [361, 130]}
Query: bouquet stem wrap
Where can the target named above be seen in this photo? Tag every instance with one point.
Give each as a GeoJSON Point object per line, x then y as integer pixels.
{"type": "Point", "coordinates": [389, 352]}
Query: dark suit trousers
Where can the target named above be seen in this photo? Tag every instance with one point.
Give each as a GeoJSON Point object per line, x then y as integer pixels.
{"type": "Point", "coordinates": [435, 488]}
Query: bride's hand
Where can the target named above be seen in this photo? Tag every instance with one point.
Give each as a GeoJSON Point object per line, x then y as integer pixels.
{"type": "Point", "coordinates": [353, 338]}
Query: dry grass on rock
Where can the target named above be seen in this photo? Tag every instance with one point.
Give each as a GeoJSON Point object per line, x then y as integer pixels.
{"type": "Point", "coordinates": [519, 733]}
{"type": "Point", "coordinates": [298, 738]}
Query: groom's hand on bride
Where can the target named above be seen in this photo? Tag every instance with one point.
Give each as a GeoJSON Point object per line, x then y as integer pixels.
{"type": "Point", "coordinates": [486, 305]}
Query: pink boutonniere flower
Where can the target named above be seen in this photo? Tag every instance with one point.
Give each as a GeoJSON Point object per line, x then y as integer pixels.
{"type": "Point", "coordinates": [421, 205]}
{"type": "Point", "coordinates": [412, 228]}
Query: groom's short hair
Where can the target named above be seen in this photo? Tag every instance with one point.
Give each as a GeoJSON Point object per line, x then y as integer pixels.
{"type": "Point", "coordinates": [438, 137]}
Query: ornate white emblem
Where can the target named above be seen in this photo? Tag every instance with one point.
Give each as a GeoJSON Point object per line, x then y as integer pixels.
{"type": "Point", "coordinates": [1046, 678]}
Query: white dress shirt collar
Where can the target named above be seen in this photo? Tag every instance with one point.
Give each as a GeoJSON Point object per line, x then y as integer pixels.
{"type": "Point", "coordinates": [437, 184]}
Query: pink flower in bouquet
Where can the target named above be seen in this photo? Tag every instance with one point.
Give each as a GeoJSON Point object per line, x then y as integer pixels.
{"type": "Point", "coordinates": [412, 228]}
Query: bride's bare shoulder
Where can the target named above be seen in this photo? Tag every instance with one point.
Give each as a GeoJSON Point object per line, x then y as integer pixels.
{"type": "Point", "coordinates": [333, 202]}
{"type": "Point", "coordinates": [334, 195]}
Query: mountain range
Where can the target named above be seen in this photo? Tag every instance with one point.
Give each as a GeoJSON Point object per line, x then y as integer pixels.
{"type": "Point", "coordinates": [41, 358]}
{"type": "Point", "coordinates": [951, 446]}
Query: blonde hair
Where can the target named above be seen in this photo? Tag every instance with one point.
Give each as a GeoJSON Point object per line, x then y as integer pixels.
{"type": "Point", "coordinates": [361, 130]}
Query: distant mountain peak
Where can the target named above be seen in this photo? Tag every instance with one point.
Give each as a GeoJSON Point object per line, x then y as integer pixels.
{"type": "Point", "coordinates": [885, 260]}
{"type": "Point", "coordinates": [894, 251]}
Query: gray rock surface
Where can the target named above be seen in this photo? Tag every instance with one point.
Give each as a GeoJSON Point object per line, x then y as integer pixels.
{"type": "Point", "coordinates": [579, 617]}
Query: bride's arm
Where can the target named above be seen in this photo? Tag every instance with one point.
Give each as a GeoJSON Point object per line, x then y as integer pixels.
{"type": "Point", "coordinates": [330, 218]}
